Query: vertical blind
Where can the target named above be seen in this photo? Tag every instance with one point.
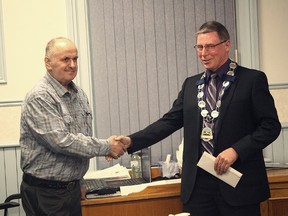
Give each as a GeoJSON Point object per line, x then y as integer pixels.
{"type": "Point", "coordinates": [141, 52]}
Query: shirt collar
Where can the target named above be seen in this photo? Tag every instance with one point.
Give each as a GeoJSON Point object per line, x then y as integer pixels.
{"type": "Point", "coordinates": [221, 72]}
{"type": "Point", "coordinates": [61, 90]}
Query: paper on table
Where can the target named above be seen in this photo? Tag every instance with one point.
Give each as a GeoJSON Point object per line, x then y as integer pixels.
{"type": "Point", "coordinates": [180, 214]}
{"type": "Point", "coordinates": [116, 171]}
{"type": "Point", "coordinates": [231, 177]}
{"type": "Point", "coordinates": [126, 190]}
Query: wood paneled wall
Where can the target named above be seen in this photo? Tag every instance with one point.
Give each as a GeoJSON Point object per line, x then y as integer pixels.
{"type": "Point", "coordinates": [10, 176]}
{"type": "Point", "coordinates": [142, 51]}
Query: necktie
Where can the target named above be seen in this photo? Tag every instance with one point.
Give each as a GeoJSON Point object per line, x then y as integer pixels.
{"type": "Point", "coordinates": [211, 92]}
{"type": "Point", "coordinates": [211, 102]}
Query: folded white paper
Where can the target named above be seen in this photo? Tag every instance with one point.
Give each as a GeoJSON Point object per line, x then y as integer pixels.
{"type": "Point", "coordinates": [115, 172]}
{"type": "Point", "coordinates": [126, 190]}
{"type": "Point", "coordinates": [231, 177]}
{"type": "Point", "coordinates": [180, 214]}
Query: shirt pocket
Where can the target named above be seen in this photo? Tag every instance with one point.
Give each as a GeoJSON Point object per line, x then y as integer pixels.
{"type": "Point", "coordinates": [87, 121]}
{"type": "Point", "coordinates": [67, 121]}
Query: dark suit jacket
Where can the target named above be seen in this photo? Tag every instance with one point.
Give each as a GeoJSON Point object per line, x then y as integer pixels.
{"type": "Point", "coordinates": [248, 122]}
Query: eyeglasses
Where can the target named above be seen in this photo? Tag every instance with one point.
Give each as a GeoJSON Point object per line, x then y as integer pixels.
{"type": "Point", "coordinates": [208, 47]}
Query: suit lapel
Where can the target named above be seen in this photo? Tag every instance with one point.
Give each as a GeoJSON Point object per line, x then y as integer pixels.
{"type": "Point", "coordinates": [228, 95]}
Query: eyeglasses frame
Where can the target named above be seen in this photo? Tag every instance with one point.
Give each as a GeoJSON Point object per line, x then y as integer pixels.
{"type": "Point", "coordinates": [198, 47]}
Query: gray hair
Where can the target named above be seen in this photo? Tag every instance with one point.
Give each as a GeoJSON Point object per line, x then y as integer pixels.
{"type": "Point", "coordinates": [51, 45]}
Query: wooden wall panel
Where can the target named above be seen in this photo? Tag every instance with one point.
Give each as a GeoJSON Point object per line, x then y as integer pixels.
{"type": "Point", "coordinates": [142, 51]}
{"type": "Point", "coordinates": [11, 176]}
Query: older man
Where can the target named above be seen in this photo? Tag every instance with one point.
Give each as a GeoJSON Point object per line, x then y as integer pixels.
{"type": "Point", "coordinates": [56, 137]}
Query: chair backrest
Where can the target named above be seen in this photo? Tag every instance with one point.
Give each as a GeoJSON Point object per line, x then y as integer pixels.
{"type": "Point", "coordinates": [8, 203]}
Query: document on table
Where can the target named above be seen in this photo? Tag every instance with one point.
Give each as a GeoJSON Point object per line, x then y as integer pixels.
{"type": "Point", "coordinates": [126, 190]}
{"type": "Point", "coordinates": [115, 172]}
{"type": "Point", "coordinates": [231, 177]}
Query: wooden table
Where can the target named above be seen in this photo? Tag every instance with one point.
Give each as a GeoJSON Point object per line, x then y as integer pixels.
{"type": "Point", "coordinates": [152, 201]}
{"type": "Point", "coordinates": [165, 199]}
{"type": "Point", "coordinates": [277, 205]}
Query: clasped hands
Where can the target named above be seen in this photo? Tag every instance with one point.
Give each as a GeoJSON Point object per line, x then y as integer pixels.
{"type": "Point", "coordinates": [118, 146]}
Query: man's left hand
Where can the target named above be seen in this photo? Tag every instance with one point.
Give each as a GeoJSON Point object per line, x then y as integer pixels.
{"type": "Point", "coordinates": [224, 160]}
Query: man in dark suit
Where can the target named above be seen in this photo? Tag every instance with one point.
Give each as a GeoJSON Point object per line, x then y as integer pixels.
{"type": "Point", "coordinates": [235, 127]}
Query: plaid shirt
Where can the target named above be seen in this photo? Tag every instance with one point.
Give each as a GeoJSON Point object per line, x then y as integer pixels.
{"type": "Point", "coordinates": [55, 134]}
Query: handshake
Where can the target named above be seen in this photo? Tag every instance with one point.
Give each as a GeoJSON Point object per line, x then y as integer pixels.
{"type": "Point", "coordinates": [118, 146]}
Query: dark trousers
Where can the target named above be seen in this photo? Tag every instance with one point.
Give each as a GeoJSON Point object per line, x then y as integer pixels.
{"type": "Point", "coordinates": [40, 201]}
{"type": "Point", "coordinates": [206, 200]}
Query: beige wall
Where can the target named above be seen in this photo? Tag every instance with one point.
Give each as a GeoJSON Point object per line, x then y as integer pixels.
{"type": "Point", "coordinates": [273, 39]}
{"type": "Point", "coordinates": [9, 126]}
{"type": "Point", "coordinates": [28, 26]}
{"type": "Point", "coordinates": [273, 42]}
{"type": "Point", "coordinates": [281, 100]}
